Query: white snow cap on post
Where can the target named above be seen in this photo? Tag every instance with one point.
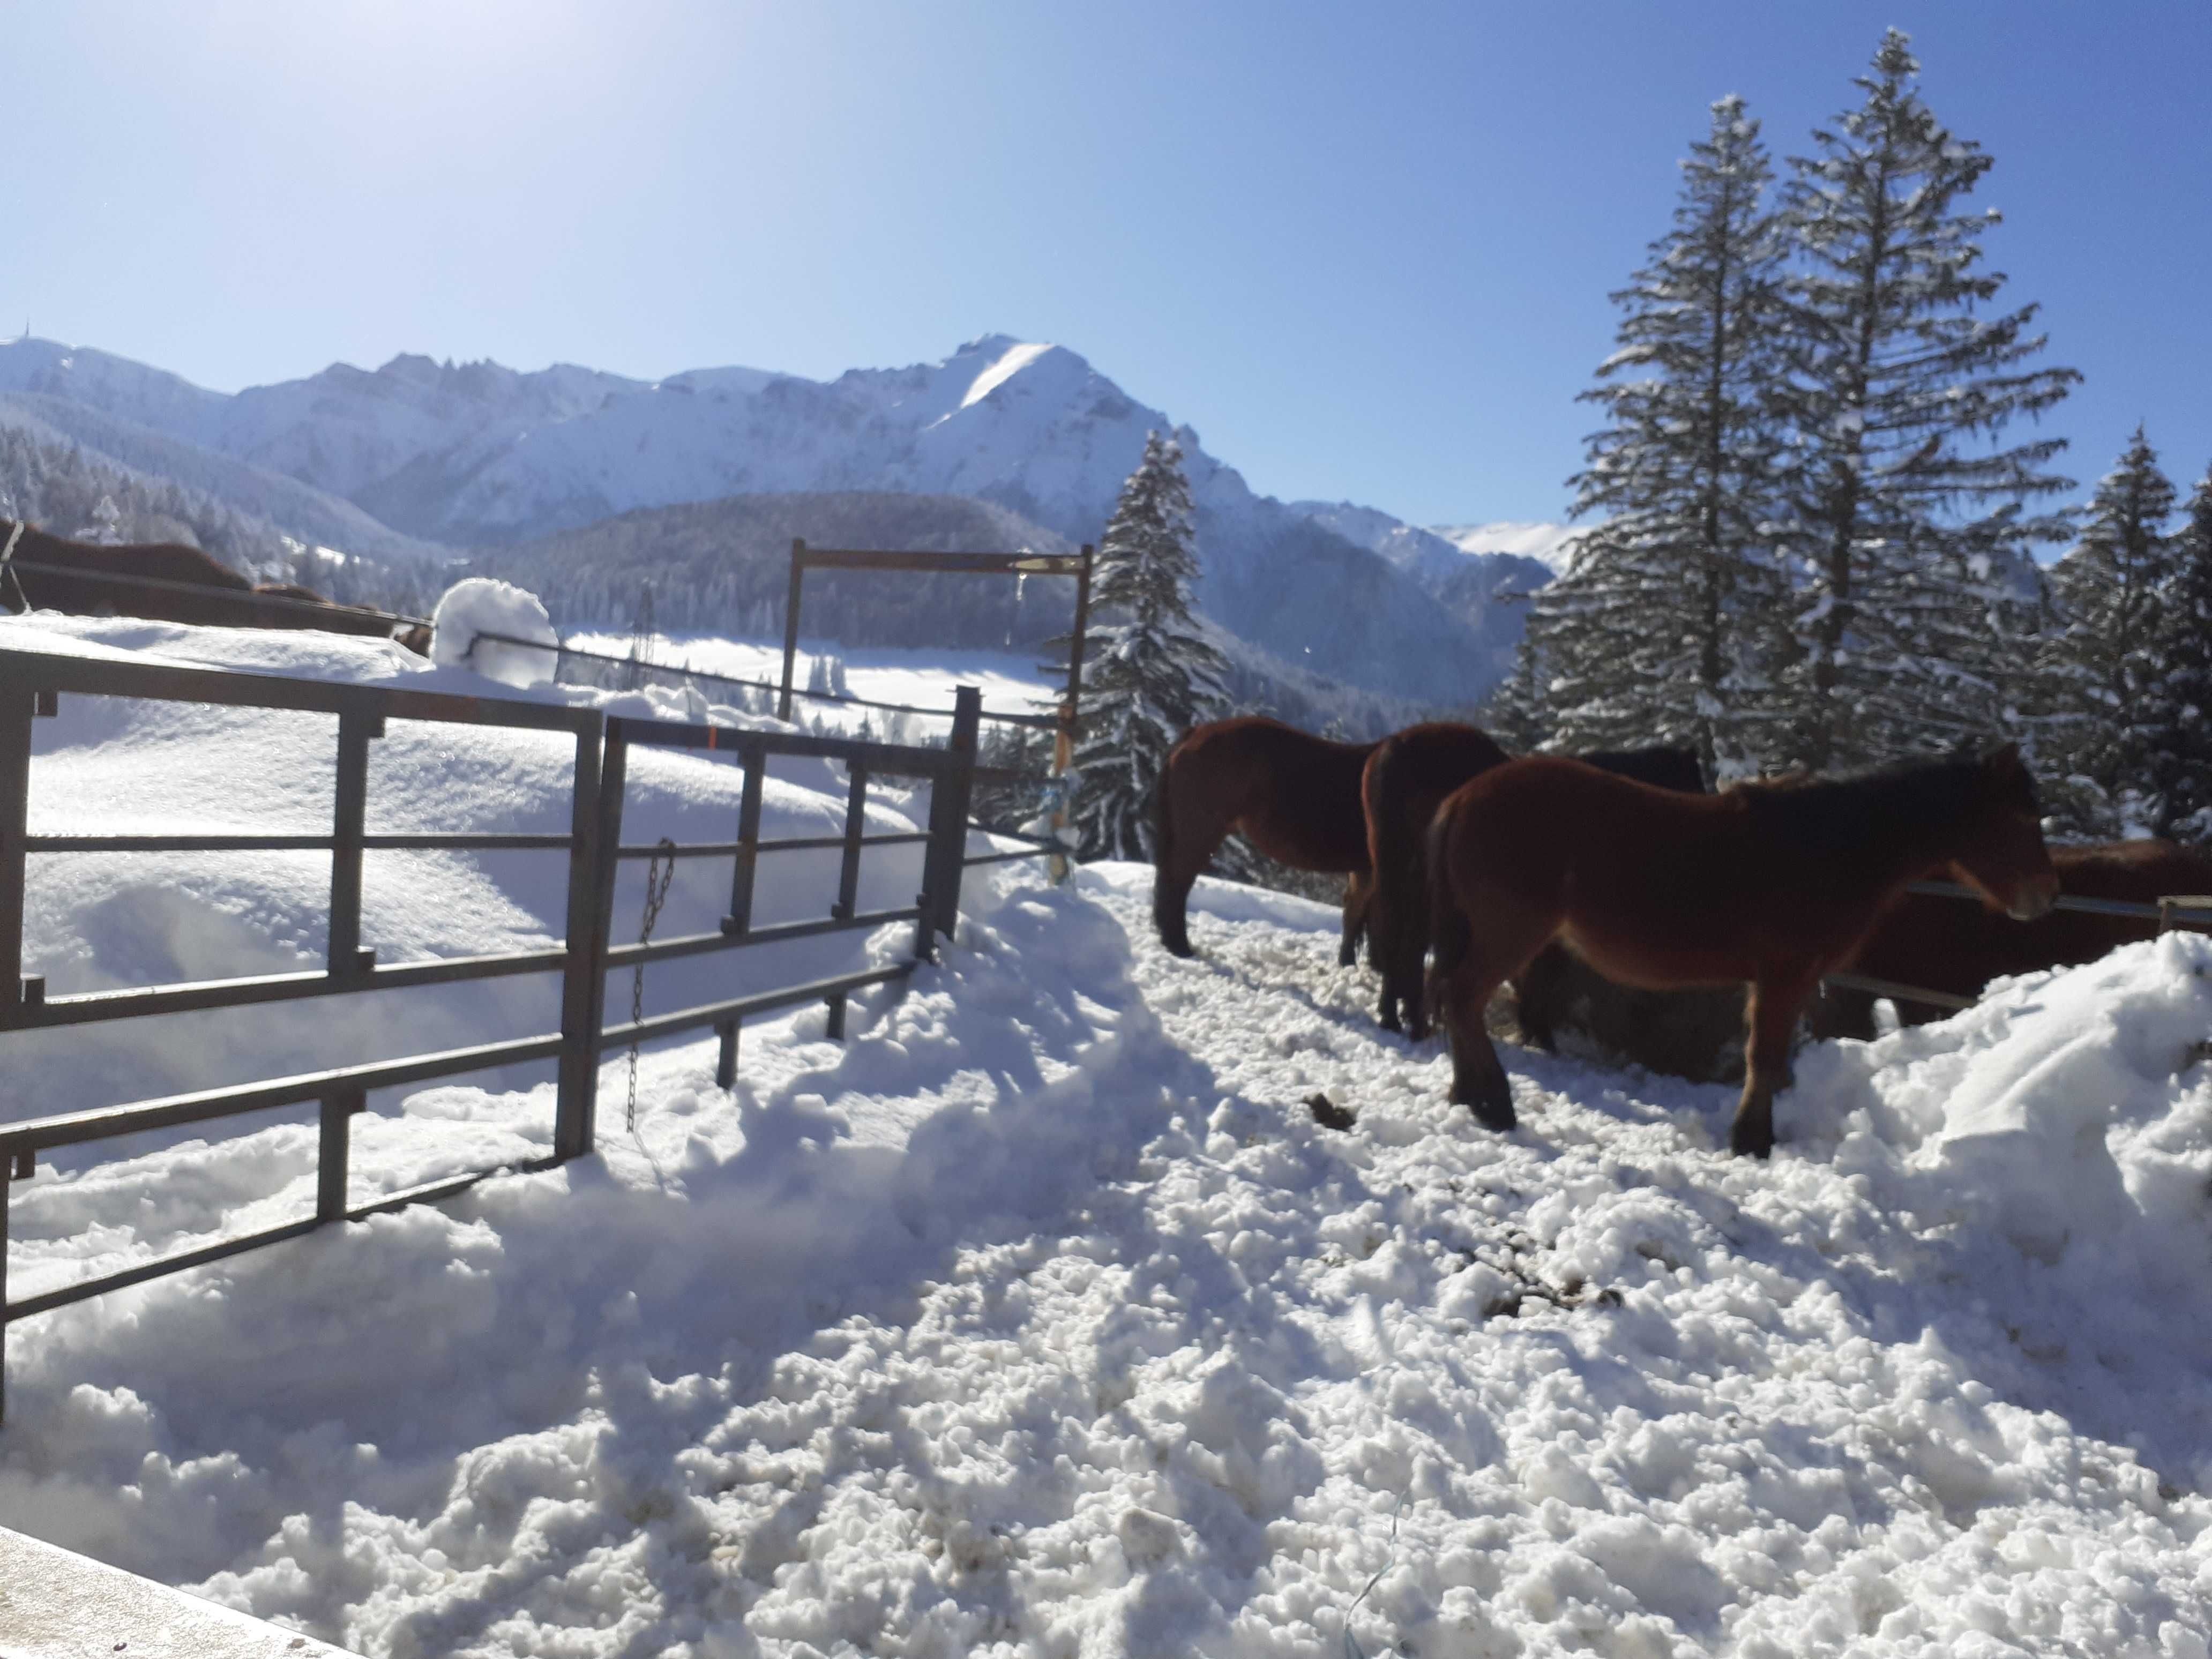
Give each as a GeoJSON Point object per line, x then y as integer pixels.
{"type": "Point", "coordinates": [481, 605]}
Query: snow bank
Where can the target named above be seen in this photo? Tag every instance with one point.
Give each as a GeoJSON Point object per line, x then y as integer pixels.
{"type": "Point", "coordinates": [1042, 1317]}
{"type": "Point", "coordinates": [478, 605]}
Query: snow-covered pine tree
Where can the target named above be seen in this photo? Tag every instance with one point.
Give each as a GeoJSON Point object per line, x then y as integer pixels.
{"type": "Point", "coordinates": [1909, 511]}
{"type": "Point", "coordinates": [2177, 703]}
{"type": "Point", "coordinates": [1660, 632]}
{"type": "Point", "coordinates": [2106, 653]}
{"type": "Point", "coordinates": [1150, 675]}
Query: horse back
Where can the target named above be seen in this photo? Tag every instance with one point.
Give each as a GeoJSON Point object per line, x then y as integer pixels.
{"type": "Point", "coordinates": [1293, 795]}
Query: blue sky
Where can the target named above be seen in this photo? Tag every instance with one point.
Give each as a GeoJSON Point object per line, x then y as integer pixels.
{"type": "Point", "coordinates": [1364, 250]}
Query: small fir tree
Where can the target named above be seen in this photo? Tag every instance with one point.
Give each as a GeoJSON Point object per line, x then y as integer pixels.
{"type": "Point", "coordinates": [1150, 675]}
{"type": "Point", "coordinates": [2177, 701]}
{"type": "Point", "coordinates": [1658, 633]}
{"type": "Point", "coordinates": [1909, 511]}
{"type": "Point", "coordinates": [2107, 651]}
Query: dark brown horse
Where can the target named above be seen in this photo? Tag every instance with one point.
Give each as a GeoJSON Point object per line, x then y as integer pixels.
{"type": "Point", "coordinates": [1945, 944]}
{"type": "Point", "coordinates": [1294, 796]}
{"type": "Point", "coordinates": [1772, 885]}
{"type": "Point", "coordinates": [121, 581]}
{"type": "Point", "coordinates": [1406, 779]}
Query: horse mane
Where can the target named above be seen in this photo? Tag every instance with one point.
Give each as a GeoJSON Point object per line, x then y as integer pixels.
{"type": "Point", "coordinates": [1837, 814]}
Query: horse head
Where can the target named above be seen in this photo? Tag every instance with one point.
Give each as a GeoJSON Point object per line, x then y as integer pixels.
{"type": "Point", "coordinates": [2000, 855]}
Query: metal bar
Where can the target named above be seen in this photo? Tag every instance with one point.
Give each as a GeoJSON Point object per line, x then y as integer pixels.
{"type": "Point", "coordinates": [7, 1313]}
{"type": "Point", "coordinates": [726, 1062]}
{"type": "Point", "coordinates": [91, 1006]}
{"type": "Point", "coordinates": [245, 596]}
{"type": "Point", "coordinates": [1001, 858]}
{"type": "Point", "coordinates": [174, 1111]}
{"type": "Point", "coordinates": [2184, 910]}
{"type": "Point", "coordinates": [848, 871]}
{"type": "Point", "coordinates": [1897, 993]}
{"type": "Point", "coordinates": [694, 944]}
{"type": "Point", "coordinates": [1038, 842]}
{"type": "Point", "coordinates": [350, 815]}
{"type": "Point", "coordinates": [602, 778]}
{"type": "Point", "coordinates": [334, 1146]}
{"type": "Point", "coordinates": [17, 707]}
{"type": "Point", "coordinates": [791, 627]}
{"type": "Point", "coordinates": [740, 920]}
{"type": "Point", "coordinates": [957, 791]}
{"type": "Point", "coordinates": [708, 849]}
{"type": "Point", "coordinates": [179, 843]}
{"type": "Point", "coordinates": [236, 688]}
{"type": "Point", "coordinates": [713, 1013]}
{"type": "Point", "coordinates": [2190, 909]}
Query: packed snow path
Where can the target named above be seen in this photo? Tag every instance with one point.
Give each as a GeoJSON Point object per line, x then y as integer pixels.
{"type": "Point", "coordinates": [1041, 1317]}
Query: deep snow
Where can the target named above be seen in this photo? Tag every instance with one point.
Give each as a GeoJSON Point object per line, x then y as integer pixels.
{"type": "Point", "coordinates": [1041, 1316]}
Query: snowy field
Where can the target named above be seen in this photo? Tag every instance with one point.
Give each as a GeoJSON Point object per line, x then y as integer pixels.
{"type": "Point", "coordinates": [1042, 1318]}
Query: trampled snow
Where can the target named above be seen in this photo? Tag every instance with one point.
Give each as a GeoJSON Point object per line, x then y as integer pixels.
{"type": "Point", "coordinates": [1041, 1316]}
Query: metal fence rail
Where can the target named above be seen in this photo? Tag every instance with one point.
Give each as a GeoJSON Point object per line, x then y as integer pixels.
{"type": "Point", "coordinates": [31, 685]}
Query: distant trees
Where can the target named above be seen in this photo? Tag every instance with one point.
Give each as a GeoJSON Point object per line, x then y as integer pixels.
{"type": "Point", "coordinates": [1148, 674]}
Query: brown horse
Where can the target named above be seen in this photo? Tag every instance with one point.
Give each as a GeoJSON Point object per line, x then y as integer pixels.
{"type": "Point", "coordinates": [1772, 885]}
{"type": "Point", "coordinates": [1295, 796]}
{"type": "Point", "coordinates": [1406, 779]}
{"type": "Point", "coordinates": [1943, 944]}
{"type": "Point", "coordinates": [118, 580]}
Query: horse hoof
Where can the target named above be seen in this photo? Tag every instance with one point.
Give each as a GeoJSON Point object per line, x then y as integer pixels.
{"type": "Point", "coordinates": [1389, 1021]}
{"type": "Point", "coordinates": [1179, 947]}
{"type": "Point", "coordinates": [1745, 1145]}
{"type": "Point", "coordinates": [1492, 1103]}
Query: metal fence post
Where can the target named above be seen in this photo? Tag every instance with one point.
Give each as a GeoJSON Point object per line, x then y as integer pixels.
{"type": "Point", "coordinates": [849, 877]}
{"type": "Point", "coordinates": [753, 757]}
{"type": "Point", "coordinates": [594, 848]}
{"type": "Point", "coordinates": [17, 704]}
{"type": "Point", "coordinates": [949, 796]}
{"type": "Point", "coordinates": [333, 1150]}
{"type": "Point", "coordinates": [790, 626]}
{"type": "Point", "coordinates": [356, 725]}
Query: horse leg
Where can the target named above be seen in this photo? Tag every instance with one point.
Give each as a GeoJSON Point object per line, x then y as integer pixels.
{"type": "Point", "coordinates": [1358, 901]}
{"type": "Point", "coordinates": [1187, 833]}
{"type": "Point", "coordinates": [1838, 1012]}
{"type": "Point", "coordinates": [1771, 1015]}
{"type": "Point", "coordinates": [1470, 967]}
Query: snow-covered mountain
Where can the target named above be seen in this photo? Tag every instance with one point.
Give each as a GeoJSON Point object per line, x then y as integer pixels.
{"type": "Point", "coordinates": [476, 454]}
{"type": "Point", "coordinates": [1550, 545]}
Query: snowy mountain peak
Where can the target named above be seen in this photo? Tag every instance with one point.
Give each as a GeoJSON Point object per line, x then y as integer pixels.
{"type": "Point", "coordinates": [1009, 363]}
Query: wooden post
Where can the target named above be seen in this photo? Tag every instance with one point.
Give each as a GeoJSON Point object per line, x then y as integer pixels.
{"type": "Point", "coordinates": [791, 625]}
{"type": "Point", "coordinates": [1063, 743]}
{"type": "Point", "coordinates": [949, 795]}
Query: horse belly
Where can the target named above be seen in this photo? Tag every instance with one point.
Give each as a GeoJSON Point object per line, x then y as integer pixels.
{"type": "Point", "coordinates": [1652, 960]}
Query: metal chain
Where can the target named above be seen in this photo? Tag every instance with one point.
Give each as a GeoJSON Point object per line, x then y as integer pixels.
{"type": "Point", "coordinates": [659, 873]}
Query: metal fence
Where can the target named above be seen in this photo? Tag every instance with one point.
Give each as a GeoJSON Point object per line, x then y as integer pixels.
{"type": "Point", "coordinates": [31, 685]}
{"type": "Point", "coordinates": [2177, 911]}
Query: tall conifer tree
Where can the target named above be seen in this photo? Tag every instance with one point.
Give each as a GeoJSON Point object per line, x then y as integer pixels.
{"type": "Point", "coordinates": [1909, 511]}
{"type": "Point", "coordinates": [1659, 634]}
{"type": "Point", "coordinates": [2106, 652]}
{"type": "Point", "coordinates": [1150, 675]}
{"type": "Point", "coordinates": [2176, 711]}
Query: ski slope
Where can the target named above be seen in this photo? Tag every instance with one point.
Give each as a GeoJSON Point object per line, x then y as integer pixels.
{"type": "Point", "coordinates": [1042, 1318]}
